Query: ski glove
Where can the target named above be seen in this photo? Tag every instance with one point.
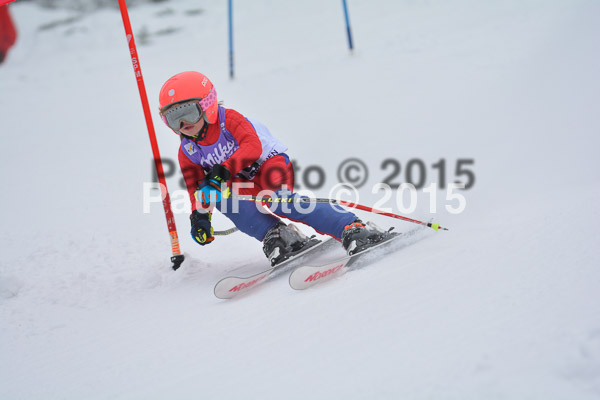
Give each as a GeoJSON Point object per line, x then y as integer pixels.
{"type": "Point", "coordinates": [202, 230]}
{"type": "Point", "coordinates": [209, 190]}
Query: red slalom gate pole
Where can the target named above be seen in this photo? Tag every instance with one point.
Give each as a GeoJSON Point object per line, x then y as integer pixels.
{"type": "Point", "coordinates": [177, 257]}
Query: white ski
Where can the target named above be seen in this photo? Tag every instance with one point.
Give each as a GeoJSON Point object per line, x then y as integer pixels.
{"type": "Point", "coordinates": [306, 276]}
{"type": "Point", "coordinates": [231, 286]}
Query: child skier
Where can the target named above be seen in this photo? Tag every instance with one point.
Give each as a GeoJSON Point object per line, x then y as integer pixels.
{"type": "Point", "coordinates": [220, 147]}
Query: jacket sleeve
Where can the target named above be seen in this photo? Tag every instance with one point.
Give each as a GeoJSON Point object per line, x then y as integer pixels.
{"type": "Point", "coordinates": [192, 174]}
{"type": "Point", "coordinates": [250, 148]}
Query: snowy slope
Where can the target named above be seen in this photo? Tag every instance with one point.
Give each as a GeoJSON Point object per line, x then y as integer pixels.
{"type": "Point", "coordinates": [502, 306]}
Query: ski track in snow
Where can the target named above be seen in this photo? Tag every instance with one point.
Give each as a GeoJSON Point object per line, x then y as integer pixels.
{"type": "Point", "coordinates": [502, 306]}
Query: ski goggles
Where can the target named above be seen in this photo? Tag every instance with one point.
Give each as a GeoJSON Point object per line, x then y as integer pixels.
{"type": "Point", "coordinates": [189, 112]}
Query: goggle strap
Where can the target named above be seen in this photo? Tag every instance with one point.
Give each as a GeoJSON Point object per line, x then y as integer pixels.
{"type": "Point", "coordinates": [208, 100]}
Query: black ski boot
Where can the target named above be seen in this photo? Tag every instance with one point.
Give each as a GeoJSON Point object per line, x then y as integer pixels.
{"type": "Point", "coordinates": [282, 240]}
{"type": "Point", "coordinates": [358, 236]}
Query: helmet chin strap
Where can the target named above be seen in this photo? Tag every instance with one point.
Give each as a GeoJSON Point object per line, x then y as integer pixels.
{"type": "Point", "coordinates": [201, 134]}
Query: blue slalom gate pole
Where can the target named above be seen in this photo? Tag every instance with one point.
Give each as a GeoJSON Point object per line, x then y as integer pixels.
{"type": "Point", "coordinates": [230, 11]}
{"type": "Point", "coordinates": [348, 26]}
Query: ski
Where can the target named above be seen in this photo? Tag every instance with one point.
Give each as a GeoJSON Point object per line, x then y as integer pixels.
{"type": "Point", "coordinates": [306, 276]}
{"type": "Point", "coordinates": [231, 286]}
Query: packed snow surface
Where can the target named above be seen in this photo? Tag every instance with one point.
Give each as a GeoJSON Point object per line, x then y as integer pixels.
{"type": "Point", "coordinates": [504, 305]}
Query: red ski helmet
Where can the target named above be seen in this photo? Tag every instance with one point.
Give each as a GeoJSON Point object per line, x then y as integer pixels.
{"type": "Point", "coordinates": [188, 86]}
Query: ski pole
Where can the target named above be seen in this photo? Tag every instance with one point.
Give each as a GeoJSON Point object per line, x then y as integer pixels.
{"type": "Point", "coordinates": [177, 257]}
{"type": "Point", "coordinates": [225, 232]}
{"type": "Point", "coordinates": [343, 203]}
